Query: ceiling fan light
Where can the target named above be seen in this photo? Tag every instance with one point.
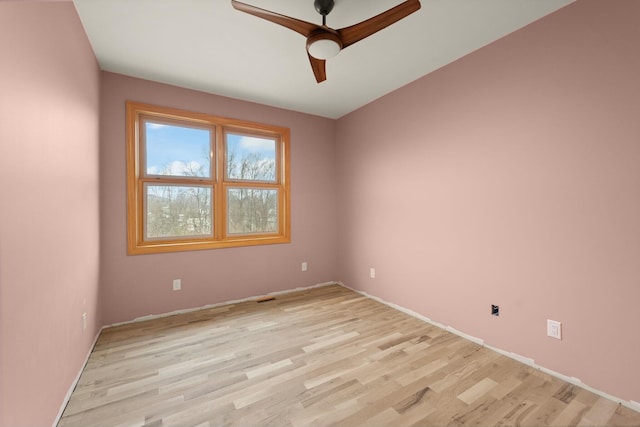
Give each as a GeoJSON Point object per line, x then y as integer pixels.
{"type": "Point", "coordinates": [324, 49]}
{"type": "Point", "coordinates": [324, 45]}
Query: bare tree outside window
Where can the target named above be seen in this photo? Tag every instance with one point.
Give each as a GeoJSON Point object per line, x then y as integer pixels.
{"type": "Point", "coordinates": [251, 210]}
{"type": "Point", "coordinates": [177, 211]}
{"type": "Point", "coordinates": [174, 211]}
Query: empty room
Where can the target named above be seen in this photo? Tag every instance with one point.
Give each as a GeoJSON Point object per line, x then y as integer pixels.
{"type": "Point", "coordinates": [329, 213]}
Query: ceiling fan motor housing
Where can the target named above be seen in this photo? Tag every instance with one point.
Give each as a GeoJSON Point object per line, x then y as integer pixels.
{"type": "Point", "coordinates": [324, 7]}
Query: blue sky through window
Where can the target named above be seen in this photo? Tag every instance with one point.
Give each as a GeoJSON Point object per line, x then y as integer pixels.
{"type": "Point", "coordinates": [177, 150]}
{"type": "Point", "coordinates": [258, 154]}
{"type": "Point", "coordinates": [186, 151]}
{"type": "Point", "coordinates": [244, 145]}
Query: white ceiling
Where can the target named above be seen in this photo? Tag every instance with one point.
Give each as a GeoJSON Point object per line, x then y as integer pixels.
{"type": "Point", "coordinates": [209, 46]}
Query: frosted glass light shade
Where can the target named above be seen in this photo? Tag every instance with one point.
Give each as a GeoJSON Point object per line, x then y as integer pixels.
{"type": "Point", "coordinates": [323, 48]}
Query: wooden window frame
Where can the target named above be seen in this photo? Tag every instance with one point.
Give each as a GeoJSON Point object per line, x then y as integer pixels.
{"type": "Point", "coordinates": [136, 243]}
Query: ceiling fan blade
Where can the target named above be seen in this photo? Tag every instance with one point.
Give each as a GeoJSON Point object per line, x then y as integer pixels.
{"type": "Point", "coordinates": [297, 25]}
{"type": "Point", "coordinates": [319, 68]}
{"type": "Point", "coordinates": [357, 32]}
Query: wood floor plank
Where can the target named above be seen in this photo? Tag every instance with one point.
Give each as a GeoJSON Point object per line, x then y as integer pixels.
{"type": "Point", "coordinates": [478, 390]}
{"type": "Point", "coordinates": [316, 357]}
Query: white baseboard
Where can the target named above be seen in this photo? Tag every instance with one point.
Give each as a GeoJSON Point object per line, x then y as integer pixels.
{"type": "Point", "coordinates": [631, 404]}
{"type": "Point", "coordinates": [220, 304]}
{"type": "Point", "coordinates": [65, 402]}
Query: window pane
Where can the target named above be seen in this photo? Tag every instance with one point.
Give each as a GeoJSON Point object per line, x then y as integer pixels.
{"type": "Point", "coordinates": [177, 150]}
{"type": "Point", "coordinates": [250, 158]}
{"type": "Point", "coordinates": [175, 211]}
{"type": "Point", "coordinates": [252, 211]}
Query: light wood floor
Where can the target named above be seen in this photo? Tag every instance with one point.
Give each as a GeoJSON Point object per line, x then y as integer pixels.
{"type": "Point", "coordinates": [320, 357]}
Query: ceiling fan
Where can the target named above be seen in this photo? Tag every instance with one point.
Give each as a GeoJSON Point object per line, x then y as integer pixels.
{"type": "Point", "coordinates": [324, 42]}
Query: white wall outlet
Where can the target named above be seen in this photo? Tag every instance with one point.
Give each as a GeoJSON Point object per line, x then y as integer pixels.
{"type": "Point", "coordinates": [304, 266]}
{"type": "Point", "coordinates": [372, 273]}
{"type": "Point", "coordinates": [177, 284]}
{"type": "Point", "coordinates": [84, 321]}
{"type": "Point", "coordinates": [554, 329]}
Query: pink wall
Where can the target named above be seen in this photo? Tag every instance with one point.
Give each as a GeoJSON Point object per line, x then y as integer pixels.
{"type": "Point", "coordinates": [49, 231]}
{"type": "Point", "coordinates": [511, 177]}
{"type": "Point", "coordinates": [140, 285]}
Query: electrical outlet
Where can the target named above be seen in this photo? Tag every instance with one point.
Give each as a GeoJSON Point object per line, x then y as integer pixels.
{"type": "Point", "coordinates": [177, 284]}
{"type": "Point", "coordinates": [304, 266]}
{"type": "Point", "coordinates": [372, 273]}
{"type": "Point", "coordinates": [84, 321]}
{"type": "Point", "coordinates": [554, 329]}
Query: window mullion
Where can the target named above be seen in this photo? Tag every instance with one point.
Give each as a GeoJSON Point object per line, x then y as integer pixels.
{"type": "Point", "coordinates": [220, 207]}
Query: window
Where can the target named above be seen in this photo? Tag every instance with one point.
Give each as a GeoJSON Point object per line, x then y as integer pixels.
{"type": "Point", "coordinates": [196, 181]}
